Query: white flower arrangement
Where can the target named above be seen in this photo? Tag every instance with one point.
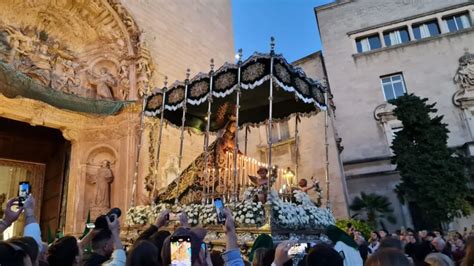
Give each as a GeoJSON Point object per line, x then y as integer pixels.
{"type": "Point", "coordinates": [249, 213]}
{"type": "Point", "coordinates": [303, 214]}
{"type": "Point", "coordinates": [138, 215]}
{"type": "Point", "coordinates": [300, 215]}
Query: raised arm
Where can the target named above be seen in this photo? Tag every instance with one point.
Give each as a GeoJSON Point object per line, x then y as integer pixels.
{"type": "Point", "coordinates": [231, 255]}
{"type": "Point", "coordinates": [10, 216]}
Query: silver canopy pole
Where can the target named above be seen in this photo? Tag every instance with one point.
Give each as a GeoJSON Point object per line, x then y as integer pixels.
{"type": "Point", "coordinates": [181, 138]}
{"type": "Point", "coordinates": [206, 137]}
{"type": "Point", "coordinates": [160, 134]}
{"type": "Point", "coordinates": [236, 137]}
{"type": "Point", "coordinates": [326, 144]}
{"type": "Point", "coordinates": [138, 148]}
{"type": "Point", "coordinates": [297, 142]}
{"type": "Point", "coordinates": [270, 108]}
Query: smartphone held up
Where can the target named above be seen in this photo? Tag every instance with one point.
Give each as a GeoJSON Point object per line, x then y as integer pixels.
{"type": "Point", "coordinates": [24, 191]}
{"type": "Point", "coordinates": [219, 210]}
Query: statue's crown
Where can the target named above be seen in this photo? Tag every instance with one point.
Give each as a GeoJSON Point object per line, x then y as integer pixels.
{"type": "Point", "coordinates": [466, 57]}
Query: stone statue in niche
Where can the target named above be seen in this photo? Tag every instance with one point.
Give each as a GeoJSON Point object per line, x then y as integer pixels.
{"type": "Point", "coordinates": [465, 74]}
{"type": "Point", "coordinates": [104, 83]}
{"type": "Point", "coordinates": [102, 180]}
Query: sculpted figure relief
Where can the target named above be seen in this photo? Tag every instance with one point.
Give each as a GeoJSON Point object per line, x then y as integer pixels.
{"type": "Point", "coordinates": [104, 83]}
{"type": "Point", "coordinates": [465, 73]}
{"type": "Point", "coordinates": [102, 180]}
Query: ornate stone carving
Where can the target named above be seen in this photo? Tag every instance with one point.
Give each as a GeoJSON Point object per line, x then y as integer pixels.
{"type": "Point", "coordinates": [464, 78]}
{"type": "Point", "coordinates": [68, 46]}
{"type": "Point", "coordinates": [465, 74]}
{"type": "Point", "coordinates": [384, 113]}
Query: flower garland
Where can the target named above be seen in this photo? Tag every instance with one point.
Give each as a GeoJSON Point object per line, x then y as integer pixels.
{"type": "Point", "coordinates": [303, 214]}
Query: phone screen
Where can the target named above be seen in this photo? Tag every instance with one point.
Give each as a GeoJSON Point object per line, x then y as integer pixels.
{"type": "Point", "coordinates": [299, 248]}
{"type": "Point", "coordinates": [219, 210]}
{"type": "Point", "coordinates": [180, 251]}
{"type": "Point", "coordinates": [24, 190]}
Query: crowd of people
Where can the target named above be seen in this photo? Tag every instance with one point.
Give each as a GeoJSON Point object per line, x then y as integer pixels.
{"type": "Point", "coordinates": [415, 248]}
{"type": "Point", "coordinates": [153, 246]}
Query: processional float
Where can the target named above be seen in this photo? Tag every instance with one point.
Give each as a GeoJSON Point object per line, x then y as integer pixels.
{"type": "Point", "coordinates": [258, 91]}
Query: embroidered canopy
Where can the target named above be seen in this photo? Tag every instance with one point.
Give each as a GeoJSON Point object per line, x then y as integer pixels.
{"type": "Point", "coordinates": [293, 93]}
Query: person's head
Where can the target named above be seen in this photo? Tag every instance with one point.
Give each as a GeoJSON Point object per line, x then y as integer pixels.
{"type": "Point", "coordinates": [158, 239]}
{"type": "Point", "coordinates": [216, 258]}
{"type": "Point", "coordinates": [29, 245]}
{"type": "Point", "coordinates": [374, 236]}
{"type": "Point", "coordinates": [143, 253]}
{"type": "Point", "coordinates": [383, 233]}
{"type": "Point", "coordinates": [438, 243]}
{"type": "Point", "coordinates": [457, 236]}
{"type": "Point", "coordinates": [262, 171]}
{"type": "Point", "coordinates": [258, 256]}
{"type": "Point", "coordinates": [102, 243]}
{"type": "Point", "coordinates": [410, 237]}
{"type": "Point", "coordinates": [322, 255]}
{"type": "Point", "coordinates": [303, 182]}
{"type": "Point", "coordinates": [438, 259]}
{"type": "Point", "coordinates": [64, 252]}
{"type": "Point", "coordinates": [422, 234]}
{"type": "Point", "coordinates": [268, 257]}
{"type": "Point", "coordinates": [391, 242]}
{"type": "Point", "coordinates": [262, 241]}
{"type": "Point", "coordinates": [388, 257]}
{"type": "Point", "coordinates": [359, 238]}
{"type": "Point", "coordinates": [13, 255]}
{"type": "Point", "coordinates": [430, 236]}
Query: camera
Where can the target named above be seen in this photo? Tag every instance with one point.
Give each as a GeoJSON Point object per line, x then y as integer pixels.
{"type": "Point", "coordinates": [101, 222]}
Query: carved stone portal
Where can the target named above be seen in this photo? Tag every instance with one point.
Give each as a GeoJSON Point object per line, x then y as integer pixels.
{"type": "Point", "coordinates": [87, 48]}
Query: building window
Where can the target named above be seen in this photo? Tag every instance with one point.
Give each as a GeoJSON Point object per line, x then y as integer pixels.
{"type": "Point", "coordinates": [426, 29]}
{"type": "Point", "coordinates": [393, 86]}
{"type": "Point", "coordinates": [368, 43]}
{"type": "Point", "coordinates": [457, 22]}
{"type": "Point", "coordinates": [280, 131]}
{"type": "Point", "coordinates": [396, 36]}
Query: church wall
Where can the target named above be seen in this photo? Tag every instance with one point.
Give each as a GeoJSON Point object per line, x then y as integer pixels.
{"type": "Point", "coordinates": [185, 34]}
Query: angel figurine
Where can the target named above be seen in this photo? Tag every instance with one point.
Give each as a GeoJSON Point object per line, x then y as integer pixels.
{"type": "Point", "coordinates": [262, 183]}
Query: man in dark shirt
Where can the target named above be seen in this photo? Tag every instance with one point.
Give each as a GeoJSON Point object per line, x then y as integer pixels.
{"type": "Point", "coordinates": [102, 248]}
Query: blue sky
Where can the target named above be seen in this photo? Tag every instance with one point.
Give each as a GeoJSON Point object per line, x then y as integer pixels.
{"type": "Point", "coordinates": [291, 22]}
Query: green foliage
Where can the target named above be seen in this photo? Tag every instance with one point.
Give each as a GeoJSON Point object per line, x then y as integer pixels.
{"type": "Point", "coordinates": [376, 207]}
{"type": "Point", "coordinates": [431, 177]}
{"type": "Point", "coordinates": [359, 225]}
